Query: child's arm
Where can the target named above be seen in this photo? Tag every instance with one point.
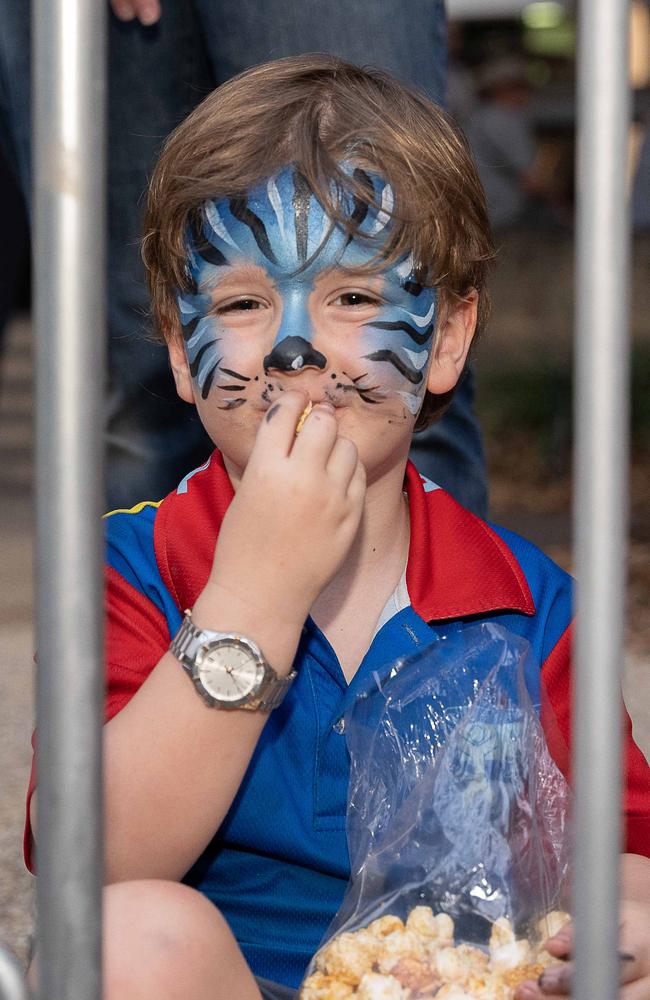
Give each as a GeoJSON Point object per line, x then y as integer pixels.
{"type": "Point", "coordinates": [172, 765]}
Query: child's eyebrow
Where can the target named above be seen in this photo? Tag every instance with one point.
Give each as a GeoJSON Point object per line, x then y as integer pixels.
{"type": "Point", "coordinates": [241, 271]}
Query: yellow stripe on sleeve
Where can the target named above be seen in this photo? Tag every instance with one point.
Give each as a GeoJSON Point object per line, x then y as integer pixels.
{"type": "Point", "coordinates": [133, 510]}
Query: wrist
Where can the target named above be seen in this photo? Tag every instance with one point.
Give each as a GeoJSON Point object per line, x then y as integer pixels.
{"type": "Point", "coordinates": [274, 629]}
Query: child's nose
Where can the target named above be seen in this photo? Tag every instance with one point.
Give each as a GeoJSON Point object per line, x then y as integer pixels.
{"type": "Point", "coordinates": [292, 354]}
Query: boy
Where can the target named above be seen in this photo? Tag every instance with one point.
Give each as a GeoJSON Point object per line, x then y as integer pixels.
{"type": "Point", "coordinates": [316, 233]}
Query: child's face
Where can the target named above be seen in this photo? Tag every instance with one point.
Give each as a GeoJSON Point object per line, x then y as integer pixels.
{"type": "Point", "coordinates": [258, 325]}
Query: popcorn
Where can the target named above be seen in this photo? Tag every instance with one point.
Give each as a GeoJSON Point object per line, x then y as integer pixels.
{"type": "Point", "coordinates": [509, 956]}
{"type": "Point", "coordinates": [420, 977]}
{"type": "Point", "coordinates": [439, 928]}
{"type": "Point", "coordinates": [376, 987]}
{"type": "Point", "coordinates": [303, 416]}
{"type": "Point", "coordinates": [457, 965]}
{"type": "Point", "coordinates": [417, 960]}
{"type": "Point", "coordinates": [553, 922]}
{"type": "Point", "coordinates": [502, 933]}
{"type": "Point", "coordinates": [399, 944]}
{"type": "Point", "coordinates": [349, 956]}
{"type": "Point", "coordinates": [384, 925]}
{"type": "Point", "coordinates": [322, 987]}
{"type": "Point", "coordinates": [453, 993]}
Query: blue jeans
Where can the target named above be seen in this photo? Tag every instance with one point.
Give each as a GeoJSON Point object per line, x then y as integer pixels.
{"type": "Point", "coordinates": [156, 76]}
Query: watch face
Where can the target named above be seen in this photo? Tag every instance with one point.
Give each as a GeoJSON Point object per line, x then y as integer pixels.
{"type": "Point", "coordinates": [229, 672]}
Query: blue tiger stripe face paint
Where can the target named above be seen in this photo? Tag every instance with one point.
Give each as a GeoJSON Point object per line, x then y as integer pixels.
{"type": "Point", "coordinates": [258, 316]}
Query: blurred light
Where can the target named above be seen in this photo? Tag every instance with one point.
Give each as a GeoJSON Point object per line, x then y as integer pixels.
{"type": "Point", "coordinates": [543, 14]}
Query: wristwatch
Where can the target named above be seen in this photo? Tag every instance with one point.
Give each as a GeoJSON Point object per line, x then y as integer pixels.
{"type": "Point", "coordinates": [228, 671]}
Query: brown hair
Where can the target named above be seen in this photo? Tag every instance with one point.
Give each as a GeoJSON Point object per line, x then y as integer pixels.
{"type": "Point", "coordinates": [316, 111]}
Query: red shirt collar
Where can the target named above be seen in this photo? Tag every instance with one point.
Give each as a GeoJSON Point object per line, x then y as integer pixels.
{"type": "Point", "coordinates": [457, 566]}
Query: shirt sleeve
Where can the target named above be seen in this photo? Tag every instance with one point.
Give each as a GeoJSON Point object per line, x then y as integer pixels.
{"type": "Point", "coordinates": [140, 615]}
{"type": "Point", "coordinates": [556, 719]}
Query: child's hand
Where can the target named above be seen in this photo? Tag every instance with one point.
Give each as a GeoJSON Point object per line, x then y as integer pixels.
{"type": "Point", "coordinates": [634, 951]}
{"type": "Point", "coordinates": [295, 513]}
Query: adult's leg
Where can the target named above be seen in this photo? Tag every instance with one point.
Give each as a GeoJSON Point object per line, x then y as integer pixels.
{"type": "Point", "coordinates": [410, 42]}
{"type": "Point", "coordinates": [15, 89]}
{"type": "Point", "coordinates": [156, 76]}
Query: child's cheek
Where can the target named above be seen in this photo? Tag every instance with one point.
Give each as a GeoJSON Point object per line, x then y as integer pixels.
{"type": "Point", "coordinates": [396, 362]}
{"type": "Point", "coordinates": [227, 366]}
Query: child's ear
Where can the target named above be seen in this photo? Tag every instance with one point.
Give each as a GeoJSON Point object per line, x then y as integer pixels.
{"type": "Point", "coordinates": [180, 367]}
{"type": "Point", "coordinates": [452, 344]}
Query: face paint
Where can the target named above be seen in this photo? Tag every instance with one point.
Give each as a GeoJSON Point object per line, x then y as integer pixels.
{"type": "Point", "coordinates": [281, 228]}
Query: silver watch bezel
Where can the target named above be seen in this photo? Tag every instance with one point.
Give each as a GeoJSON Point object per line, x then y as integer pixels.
{"type": "Point", "coordinates": [191, 644]}
{"type": "Point", "coordinates": [209, 646]}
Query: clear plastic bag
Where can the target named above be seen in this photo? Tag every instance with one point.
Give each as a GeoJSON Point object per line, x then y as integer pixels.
{"type": "Point", "coordinates": [456, 810]}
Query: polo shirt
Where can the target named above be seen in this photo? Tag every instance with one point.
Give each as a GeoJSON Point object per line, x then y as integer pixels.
{"type": "Point", "coordinates": [278, 866]}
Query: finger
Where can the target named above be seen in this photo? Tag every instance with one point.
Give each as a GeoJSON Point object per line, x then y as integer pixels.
{"type": "Point", "coordinates": [357, 487]}
{"type": "Point", "coordinates": [147, 11]}
{"type": "Point", "coordinates": [529, 990]}
{"type": "Point", "coordinates": [317, 437]}
{"type": "Point", "coordinates": [123, 9]}
{"type": "Point", "coordinates": [556, 980]}
{"type": "Point", "coordinates": [561, 944]}
{"type": "Point", "coordinates": [342, 462]}
{"type": "Point", "coordinates": [277, 432]}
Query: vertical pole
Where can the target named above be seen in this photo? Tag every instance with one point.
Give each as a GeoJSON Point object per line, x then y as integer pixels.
{"type": "Point", "coordinates": [69, 145]}
{"type": "Point", "coordinates": [601, 469]}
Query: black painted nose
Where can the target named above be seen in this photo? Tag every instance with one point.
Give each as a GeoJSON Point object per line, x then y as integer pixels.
{"type": "Point", "coordinates": [292, 355]}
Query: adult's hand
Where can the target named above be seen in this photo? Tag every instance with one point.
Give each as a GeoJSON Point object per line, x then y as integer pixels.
{"type": "Point", "coordinates": [146, 11]}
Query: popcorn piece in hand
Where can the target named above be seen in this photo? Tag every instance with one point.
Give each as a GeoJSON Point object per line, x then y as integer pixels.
{"type": "Point", "coordinates": [322, 987]}
{"type": "Point", "coordinates": [303, 416]}
{"type": "Point", "coordinates": [513, 977]}
{"type": "Point", "coordinates": [348, 956]}
{"type": "Point", "coordinates": [399, 944]}
{"type": "Point", "coordinates": [376, 987]}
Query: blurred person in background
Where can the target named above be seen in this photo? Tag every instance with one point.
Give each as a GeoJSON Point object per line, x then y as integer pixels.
{"type": "Point", "coordinates": [503, 141]}
{"type": "Point", "coordinates": [164, 56]}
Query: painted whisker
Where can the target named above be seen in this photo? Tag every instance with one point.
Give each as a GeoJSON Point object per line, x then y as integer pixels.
{"type": "Point", "coordinates": [234, 374]}
{"type": "Point", "coordinates": [232, 404]}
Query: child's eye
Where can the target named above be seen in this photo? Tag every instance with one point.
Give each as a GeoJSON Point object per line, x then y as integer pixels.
{"type": "Point", "coordinates": [355, 299]}
{"type": "Point", "coordinates": [243, 305]}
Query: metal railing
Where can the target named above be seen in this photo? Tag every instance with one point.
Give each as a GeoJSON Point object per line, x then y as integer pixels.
{"type": "Point", "coordinates": [600, 477]}
{"type": "Point", "coordinates": [69, 61]}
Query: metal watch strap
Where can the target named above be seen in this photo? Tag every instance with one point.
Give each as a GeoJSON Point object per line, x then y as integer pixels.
{"type": "Point", "coordinates": [186, 642]}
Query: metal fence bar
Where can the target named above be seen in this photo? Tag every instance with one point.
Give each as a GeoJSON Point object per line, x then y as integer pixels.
{"type": "Point", "coordinates": [69, 144]}
{"type": "Point", "coordinates": [601, 467]}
